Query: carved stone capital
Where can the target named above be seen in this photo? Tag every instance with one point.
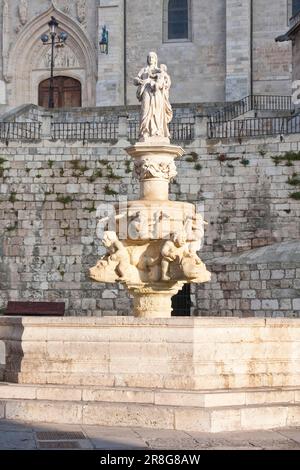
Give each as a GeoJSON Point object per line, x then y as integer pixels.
{"type": "Point", "coordinates": [154, 301]}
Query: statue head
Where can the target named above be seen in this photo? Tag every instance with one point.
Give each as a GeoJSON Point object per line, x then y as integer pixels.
{"type": "Point", "coordinates": [152, 59]}
{"type": "Point", "coordinates": [109, 238]}
{"type": "Point", "coordinates": [163, 68]}
{"type": "Point", "coordinates": [179, 239]}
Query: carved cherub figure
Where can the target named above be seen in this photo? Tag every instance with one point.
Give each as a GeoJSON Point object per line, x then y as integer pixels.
{"type": "Point", "coordinates": [118, 253]}
{"type": "Point", "coordinates": [140, 226]}
{"type": "Point", "coordinates": [172, 250]}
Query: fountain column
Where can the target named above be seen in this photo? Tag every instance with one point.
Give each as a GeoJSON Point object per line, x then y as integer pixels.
{"type": "Point", "coordinates": [156, 254]}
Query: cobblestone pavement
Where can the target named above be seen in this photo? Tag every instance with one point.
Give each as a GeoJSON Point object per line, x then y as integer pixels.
{"type": "Point", "coordinates": [56, 436]}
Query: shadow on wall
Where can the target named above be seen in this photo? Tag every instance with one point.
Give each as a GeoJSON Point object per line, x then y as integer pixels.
{"type": "Point", "coordinates": [11, 350]}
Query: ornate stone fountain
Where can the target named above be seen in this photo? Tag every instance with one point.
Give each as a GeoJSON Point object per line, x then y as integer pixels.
{"type": "Point", "coordinates": [153, 249]}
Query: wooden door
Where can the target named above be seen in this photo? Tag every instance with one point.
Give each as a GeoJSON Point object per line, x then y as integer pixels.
{"type": "Point", "coordinates": [67, 92]}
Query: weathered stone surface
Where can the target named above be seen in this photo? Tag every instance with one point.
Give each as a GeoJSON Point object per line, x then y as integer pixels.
{"type": "Point", "coordinates": [123, 415]}
{"type": "Point", "coordinates": [189, 354]}
{"type": "Point", "coordinates": [264, 418]}
{"type": "Point", "coordinates": [62, 412]}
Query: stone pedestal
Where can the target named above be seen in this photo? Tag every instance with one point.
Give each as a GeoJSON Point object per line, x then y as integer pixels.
{"type": "Point", "coordinates": [154, 301]}
{"type": "Point", "coordinates": [192, 374]}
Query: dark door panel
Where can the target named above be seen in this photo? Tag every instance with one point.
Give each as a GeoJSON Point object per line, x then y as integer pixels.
{"type": "Point", "coordinates": [67, 92]}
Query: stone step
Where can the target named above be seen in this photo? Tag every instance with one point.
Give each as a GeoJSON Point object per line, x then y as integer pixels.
{"type": "Point", "coordinates": [186, 380]}
{"type": "Point", "coordinates": [205, 399]}
{"type": "Point", "coordinates": [184, 418]}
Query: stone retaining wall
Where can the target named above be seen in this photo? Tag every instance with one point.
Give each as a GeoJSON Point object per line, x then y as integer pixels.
{"type": "Point", "coordinates": [49, 195]}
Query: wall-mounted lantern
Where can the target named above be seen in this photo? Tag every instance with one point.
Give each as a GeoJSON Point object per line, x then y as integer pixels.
{"type": "Point", "coordinates": [104, 41]}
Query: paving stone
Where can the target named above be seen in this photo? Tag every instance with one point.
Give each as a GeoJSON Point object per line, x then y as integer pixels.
{"type": "Point", "coordinates": [58, 427]}
{"type": "Point", "coordinates": [13, 439]}
{"type": "Point", "coordinates": [293, 433]}
{"type": "Point", "coordinates": [167, 439]}
{"type": "Point", "coordinates": [114, 438]}
{"type": "Point", "coordinates": [13, 426]}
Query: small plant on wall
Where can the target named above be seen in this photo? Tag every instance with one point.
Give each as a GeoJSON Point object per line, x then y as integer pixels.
{"type": "Point", "coordinates": [294, 181]}
{"type": "Point", "coordinates": [64, 199]}
{"type": "Point", "coordinates": [295, 196]}
{"type": "Point", "coordinates": [109, 191]}
{"type": "Point", "coordinates": [288, 158]}
{"type": "Point", "coordinates": [222, 157]}
{"type": "Point", "coordinates": [13, 197]}
{"type": "Point", "coordinates": [2, 160]}
{"type": "Point", "coordinates": [245, 162]}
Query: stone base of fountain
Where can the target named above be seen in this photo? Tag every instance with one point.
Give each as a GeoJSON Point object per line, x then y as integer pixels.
{"type": "Point", "coordinates": [192, 374]}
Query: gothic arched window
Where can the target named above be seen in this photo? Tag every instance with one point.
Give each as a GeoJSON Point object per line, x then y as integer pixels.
{"type": "Point", "coordinates": [177, 20]}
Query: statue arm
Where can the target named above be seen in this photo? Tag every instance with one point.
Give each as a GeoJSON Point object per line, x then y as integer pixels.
{"type": "Point", "coordinates": [160, 82]}
{"type": "Point", "coordinates": [138, 79]}
{"type": "Point", "coordinates": [168, 81]}
{"type": "Point", "coordinates": [119, 246]}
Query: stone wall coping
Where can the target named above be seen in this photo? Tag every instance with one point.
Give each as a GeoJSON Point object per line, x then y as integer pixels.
{"type": "Point", "coordinates": [186, 322]}
{"type": "Point", "coordinates": [252, 144]}
{"type": "Point", "coordinates": [282, 252]}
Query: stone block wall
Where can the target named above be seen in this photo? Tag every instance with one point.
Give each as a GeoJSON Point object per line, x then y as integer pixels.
{"type": "Point", "coordinates": [261, 290]}
{"type": "Point", "coordinates": [49, 192]}
{"type": "Point", "coordinates": [214, 63]}
{"type": "Point", "coordinates": [202, 57]}
{"type": "Point", "coordinates": [272, 62]}
{"type": "Point", "coordinates": [238, 47]}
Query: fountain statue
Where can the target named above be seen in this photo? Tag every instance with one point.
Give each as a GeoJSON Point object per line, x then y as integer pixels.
{"type": "Point", "coordinates": [153, 249]}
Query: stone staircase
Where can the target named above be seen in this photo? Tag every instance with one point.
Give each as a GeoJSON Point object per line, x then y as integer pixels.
{"type": "Point", "coordinates": [203, 411]}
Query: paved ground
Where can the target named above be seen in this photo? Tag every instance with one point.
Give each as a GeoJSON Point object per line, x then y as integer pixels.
{"type": "Point", "coordinates": [58, 436]}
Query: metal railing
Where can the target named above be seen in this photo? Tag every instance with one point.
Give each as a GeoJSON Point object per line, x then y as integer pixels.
{"type": "Point", "coordinates": [179, 131]}
{"type": "Point", "coordinates": [252, 103]}
{"type": "Point", "coordinates": [20, 130]}
{"type": "Point", "coordinates": [182, 132]}
{"type": "Point", "coordinates": [254, 127]}
{"type": "Point", "coordinates": [272, 102]}
{"type": "Point", "coordinates": [104, 131]}
{"type": "Point", "coordinates": [133, 130]}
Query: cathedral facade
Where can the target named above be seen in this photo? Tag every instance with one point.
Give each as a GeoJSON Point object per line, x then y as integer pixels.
{"type": "Point", "coordinates": [216, 51]}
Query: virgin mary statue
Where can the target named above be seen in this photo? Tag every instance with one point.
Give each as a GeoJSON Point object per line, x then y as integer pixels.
{"type": "Point", "coordinates": [153, 84]}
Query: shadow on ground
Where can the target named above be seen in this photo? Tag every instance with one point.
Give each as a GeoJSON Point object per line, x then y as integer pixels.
{"type": "Point", "coordinates": [28, 436]}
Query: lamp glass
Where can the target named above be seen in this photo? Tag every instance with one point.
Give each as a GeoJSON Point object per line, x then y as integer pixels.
{"type": "Point", "coordinates": [104, 41]}
{"type": "Point", "coordinates": [63, 36]}
{"type": "Point", "coordinates": [44, 38]}
{"type": "Point", "coordinates": [103, 47]}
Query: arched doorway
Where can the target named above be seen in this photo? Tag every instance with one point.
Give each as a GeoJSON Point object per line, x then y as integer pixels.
{"type": "Point", "coordinates": [67, 92]}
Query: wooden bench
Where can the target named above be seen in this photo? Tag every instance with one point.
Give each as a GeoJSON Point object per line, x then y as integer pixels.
{"type": "Point", "coordinates": [47, 309]}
